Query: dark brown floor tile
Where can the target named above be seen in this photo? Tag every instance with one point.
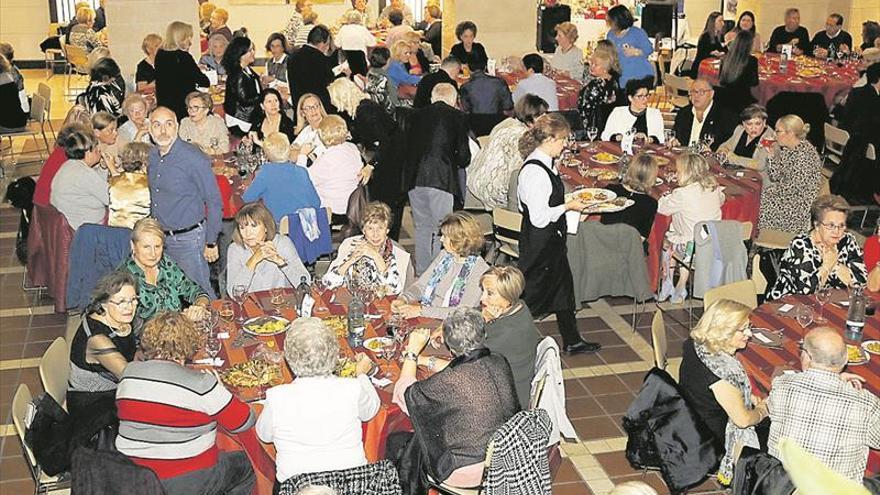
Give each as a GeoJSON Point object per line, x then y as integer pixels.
{"type": "Point", "coordinates": [583, 407]}
{"type": "Point", "coordinates": [18, 336]}
{"type": "Point", "coordinates": [45, 334]}
{"type": "Point", "coordinates": [580, 360]}
{"type": "Point", "coordinates": [13, 323]}
{"type": "Point", "coordinates": [591, 323]}
{"type": "Point", "coordinates": [573, 388]}
{"type": "Point", "coordinates": [567, 473]}
{"type": "Point", "coordinates": [14, 468]}
{"type": "Point", "coordinates": [643, 320]}
{"type": "Point", "coordinates": [618, 301]}
{"type": "Point", "coordinates": [48, 320]}
{"type": "Point", "coordinates": [615, 464]}
{"type": "Point", "coordinates": [17, 487]}
{"type": "Point", "coordinates": [608, 339]}
{"type": "Point", "coordinates": [12, 351]}
{"type": "Point", "coordinates": [633, 380]}
{"type": "Point", "coordinates": [8, 378]}
{"type": "Point", "coordinates": [615, 403]}
{"type": "Point", "coordinates": [572, 489]}
{"type": "Point", "coordinates": [619, 355]}
{"type": "Point", "coordinates": [601, 385]}
{"type": "Point", "coordinates": [596, 428]}
{"type": "Point", "coordinates": [35, 349]}
{"type": "Point", "coordinates": [11, 447]}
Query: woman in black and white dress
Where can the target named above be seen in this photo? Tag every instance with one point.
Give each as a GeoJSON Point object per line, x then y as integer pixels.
{"type": "Point", "coordinates": [543, 260]}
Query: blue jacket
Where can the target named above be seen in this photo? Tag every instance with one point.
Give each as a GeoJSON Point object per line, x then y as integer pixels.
{"type": "Point", "coordinates": [96, 250]}
{"type": "Point", "coordinates": [399, 75]}
{"type": "Point", "coordinates": [633, 67]}
{"type": "Point", "coordinates": [284, 189]}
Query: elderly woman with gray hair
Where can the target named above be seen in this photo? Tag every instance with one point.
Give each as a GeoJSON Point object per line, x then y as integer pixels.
{"type": "Point", "coordinates": [315, 421]}
{"type": "Point", "coordinates": [460, 407]}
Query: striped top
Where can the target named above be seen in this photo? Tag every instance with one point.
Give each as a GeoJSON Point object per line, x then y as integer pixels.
{"type": "Point", "coordinates": [168, 417]}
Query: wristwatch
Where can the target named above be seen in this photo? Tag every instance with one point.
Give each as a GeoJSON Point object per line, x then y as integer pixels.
{"type": "Point", "coordinates": [211, 245]}
{"type": "Point", "coordinates": [410, 356]}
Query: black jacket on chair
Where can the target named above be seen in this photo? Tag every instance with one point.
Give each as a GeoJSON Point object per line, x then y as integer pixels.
{"type": "Point", "coordinates": [243, 96]}
{"type": "Point", "coordinates": [437, 148]}
{"type": "Point", "coordinates": [759, 473]}
{"type": "Point", "coordinates": [310, 71]}
{"type": "Point", "coordinates": [664, 432]}
{"type": "Point", "coordinates": [720, 123]}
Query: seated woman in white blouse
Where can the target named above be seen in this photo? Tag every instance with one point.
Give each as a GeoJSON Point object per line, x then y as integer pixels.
{"type": "Point", "coordinates": [307, 145]}
{"type": "Point", "coordinates": [315, 421]}
{"type": "Point", "coordinates": [648, 122]}
{"type": "Point", "coordinates": [259, 258]}
{"type": "Point", "coordinates": [371, 260]}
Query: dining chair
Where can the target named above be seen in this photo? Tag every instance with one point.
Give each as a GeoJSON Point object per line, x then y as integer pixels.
{"type": "Point", "coordinates": [835, 143]}
{"type": "Point", "coordinates": [742, 292]}
{"type": "Point", "coordinates": [77, 64]}
{"type": "Point", "coordinates": [758, 277]}
{"type": "Point", "coordinates": [284, 226]}
{"type": "Point", "coordinates": [36, 126]}
{"type": "Point", "coordinates": [55, 370]}
{"type": "Point", "coordinates": [43, 483]}
{"type": "Point", "coordinates": [659, 341]}
{"type": "Point", "coordinates": [677, 88]}
{"type": "Point", "coordinates": [45, 91]}
{"type": "Point", "coordinates": [506, 225]}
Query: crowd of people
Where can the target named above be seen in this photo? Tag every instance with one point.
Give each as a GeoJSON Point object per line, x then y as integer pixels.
{"type": "Point", "coordinates": [339, 116]}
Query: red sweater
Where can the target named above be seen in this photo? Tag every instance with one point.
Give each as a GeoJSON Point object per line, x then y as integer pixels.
{"type": "Point", "coordinates": [872, 252]}
{"type": "Point", "coordinates": [43, 191]}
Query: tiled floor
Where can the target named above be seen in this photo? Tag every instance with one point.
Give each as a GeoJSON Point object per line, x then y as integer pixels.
{"type": "Point", "coordinates": [599, 387]}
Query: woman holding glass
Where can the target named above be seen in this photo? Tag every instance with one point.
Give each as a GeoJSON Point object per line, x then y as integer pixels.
{"type": "Point", "coordinates": [372, 260]}
{"type": "Point", "coordinates": [828, 256]}
{"type": "Point", "coordinates": [260, 258]}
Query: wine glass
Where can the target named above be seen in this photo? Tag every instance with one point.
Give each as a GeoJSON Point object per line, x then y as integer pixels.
{"type": "Point", "coordinates": [708, 139]}
{"type": "Point", "coordinates": [212, 346]}
{"type": "Point", "coordinates": [226, 311]}
{"type": "Point", "coordinates": [592, 133]}
{"type": "Point", "coordinates": [669, 137]}
{"type": "Point", "coordinates": [278, 300]}
{"type": "Point", "coordinates": [210, 320]}
{"type": "Point", "coordinates": [804, 316]}
{"type": "Point", "coordinates": [823, 296]}
{"type": "Point", "coordinates": [238, 293]}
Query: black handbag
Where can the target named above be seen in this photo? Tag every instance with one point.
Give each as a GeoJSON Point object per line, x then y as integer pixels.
{"type": "Point", "coordinates": [49, 435]}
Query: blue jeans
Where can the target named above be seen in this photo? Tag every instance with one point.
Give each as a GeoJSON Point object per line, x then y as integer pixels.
{"type": "Point", "coordinates": [188, 251]}
{"type": "Point", "coordinates": [429, 207]}
{"type": "Point", "coordinates": [232, 475]}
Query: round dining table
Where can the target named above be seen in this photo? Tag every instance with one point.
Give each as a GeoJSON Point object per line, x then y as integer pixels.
{"type": "Point", "coordinates": [765, 358]}
{"type": "Point", "coordinates": [802, 75]}
{"type": "Point", "coordinates": [238, 346]}
{"type": "Point", "coordinates": [742, 188]}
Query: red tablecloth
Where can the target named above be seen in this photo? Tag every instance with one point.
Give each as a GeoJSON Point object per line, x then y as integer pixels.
{"type": "Point", "coordinates": [389, 418]}
{"type": "Point", "coordinates": [830, 79]}
{"type": "Point", "coordinates": [742, 188]}
{"type": "Point", "coordinates": [763, 363]}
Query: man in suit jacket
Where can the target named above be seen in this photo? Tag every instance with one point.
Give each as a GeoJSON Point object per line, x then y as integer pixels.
{"type": "Point", "coordinates": [861, 115]}
{"type": "Point", "coordinates": [309, 70]}
{"type": "Point", "coordinates": [449, 70]}
{"type": "Point", "coordinates": [703, 117]}
{"type": "Point", "coordinates": [438, 150]}
{"type": "Point", "coordinates": [485, 98]}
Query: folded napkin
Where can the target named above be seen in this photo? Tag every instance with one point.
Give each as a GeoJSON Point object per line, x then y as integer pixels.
{"type": "Point", "coordinates": [308, 219]}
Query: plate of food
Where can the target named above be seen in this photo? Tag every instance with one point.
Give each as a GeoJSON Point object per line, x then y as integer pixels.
{"type": "Point", "coordinates": [871, 346]}
{"type": "Point", "coordinates": [346, 367]}
{"type": "Point", "coordinates": [592, 195]}
{"type": "Point", "coordinates": [376, 344]}
{"type": "Point", "coordinates": [856, 356]}
{"type": "Point", "coordinates": [605, 158]}
{"type": "Point", "coordinates": [613, 206]}
{"type": "Point", "coordinates": [252, 373]}
{"type": "Point", "coordinates": [604, 174]}
{"type": "Point", "coordinates": [810, 72]}
{"type": "Point", "coordinates": [264, 326]}
{"type": "Point", "coordinates": [338, 324]}
{"type": "Point", "coordinates": [662, 161]}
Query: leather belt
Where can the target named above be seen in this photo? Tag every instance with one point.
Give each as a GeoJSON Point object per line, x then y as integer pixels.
{"type": "Point", "coordinates": [184, 230]}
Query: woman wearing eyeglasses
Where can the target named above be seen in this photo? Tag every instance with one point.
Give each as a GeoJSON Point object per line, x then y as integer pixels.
{"type": "Point", "coordinates": [202, 128]}
{"type": "Point", "coordinates": [101, 348]}
{"type": "Point", "coordinates": [828, 256]}
{"type": "Point", "coordinates": [647, 122]}
{"type": "Point", "coordinates": [794, 170]}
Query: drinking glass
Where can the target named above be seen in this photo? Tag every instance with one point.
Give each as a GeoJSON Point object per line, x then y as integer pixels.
{"type": "Point", "coordinates": [823, 296]}
{"type": "Point", "coordinates": [278, 299]}
{"type": "Point", "coordinates": [212, 346]}
{"type": "Point", "coordinates": [226, 311]}
{"type": "Point", "coordinates": [210, 320]}
{"type": "Point", "coordinates": [238, 293]}
{"type": "Point", "coordinates": [592, 133]}
{"type": "Point", "coordinates": [669, 136]}
{"type": "Point", "coordinates": [708, 139]}
{"type": "Point", "coordinates": [804, 316]}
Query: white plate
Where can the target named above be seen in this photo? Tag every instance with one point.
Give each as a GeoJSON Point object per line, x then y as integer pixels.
{"type": "Point", "coordinates": [868, 342]}
{"type": "Point", "coordinates": [264, 319]}
{"type": "Point", "coordinates": [592, 195]}
{"type": "Point", "coordinates": [377, 343]}
{"type": "Point", "coordinates": [609, 207]}
{"type": "Point", "coordinates": [605, 162]}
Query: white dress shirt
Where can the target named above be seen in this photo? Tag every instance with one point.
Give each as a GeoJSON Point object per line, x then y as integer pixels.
{"type": "Point", "coordinates": [355, 37]}
{"type": "Point", "coordinates": [622, 120]}
{"type": "Point", "coordinates": [538, 85]}
{"type": "Point", "coordinates": [697, 125]}
{"type": "Point", "coordinates": [309, 135]}
{"type": "Point", "coordinates": [315, 423]}
{"type": "Point", "coordinates": [534, 189]}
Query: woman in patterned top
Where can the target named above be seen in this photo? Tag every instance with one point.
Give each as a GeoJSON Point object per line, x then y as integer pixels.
{"type": "Point", "coordinates": [105, 92]}
{"type": "Point", "coordinates": [828, 256]}
{"type": "Point", "coordinates": [379, 86]}
{"type": "Point", "coordinates": [161, 284]}
{"type": "Point", "coordinates": [371, 260]}
{"type": "Point", "coordinates": [794, 170]}
{"type": "Point", "coordinates": [600, 92]}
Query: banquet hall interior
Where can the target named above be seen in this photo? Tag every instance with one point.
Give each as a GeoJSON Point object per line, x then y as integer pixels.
{"type": "Point", "coordinates": [699, 165]}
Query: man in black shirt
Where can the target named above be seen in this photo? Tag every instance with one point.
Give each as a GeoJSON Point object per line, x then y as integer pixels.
{"type": "Point", "coordinates": [833, 39]}
{"type": "Point", "coordinates": [791, 33]}
{"type": "Point", "coordinates": [449, 70]}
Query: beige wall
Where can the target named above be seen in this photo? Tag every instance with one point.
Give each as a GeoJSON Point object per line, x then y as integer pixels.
{"type": "Point", "coordinates": [505, 27]}
{"type": "Point", "coordinates": [24, 24]}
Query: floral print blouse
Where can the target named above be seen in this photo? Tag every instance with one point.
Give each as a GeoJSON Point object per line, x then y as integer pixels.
{"type": "Point", "coordinates": [173, 288]}
{"type": "Point", "coordinates": [799, 269]}
{"type": "Point", "coordinates": [596, 95]}
{"type": "Point", "coordinates": [794, 176]}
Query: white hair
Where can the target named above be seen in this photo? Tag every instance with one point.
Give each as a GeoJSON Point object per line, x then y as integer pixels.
{"type": "Point", "coordinates": [446, 93]}
{"type": "Point", "coordinates": [311, 349]}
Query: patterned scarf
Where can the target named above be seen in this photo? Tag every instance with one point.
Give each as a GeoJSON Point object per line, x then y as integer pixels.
{"type": "Point", "coordinates": [458, 284]}
{"type": "Point", "coordinates": [727, 368]}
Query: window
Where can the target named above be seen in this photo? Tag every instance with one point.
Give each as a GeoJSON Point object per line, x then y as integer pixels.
{"type": "Point", "coordinates": [63, 11]}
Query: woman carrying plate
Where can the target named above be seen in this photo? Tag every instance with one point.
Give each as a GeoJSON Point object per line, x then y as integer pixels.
{"type": "Point", "coordinates": [543, 260]}
{"type": "Point", "coordinates": [637, 184]}
{"type": "Point", "coordinates": [259, 258]}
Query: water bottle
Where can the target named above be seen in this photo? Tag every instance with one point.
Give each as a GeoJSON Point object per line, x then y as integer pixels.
{"type": "Point", "coordinates": [832, 53]}
{"type": "Point", "coordinates": [356, 324]}
{"type": "Point", "coordinates": [304, 301]}
{"type": "Point", "coordinates": [855, 318]}
{"type": "Point", "coordinates": [783, 62]}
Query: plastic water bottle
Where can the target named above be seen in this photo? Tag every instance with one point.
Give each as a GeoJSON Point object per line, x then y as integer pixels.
{"type": "Point", "coordinates": [855, 318]}
{"type": "Point", "coordinates": [356, 324]}
{"type": "Point", "coordinates": [304, 301]}
{"type": "Point", "coordinates": [783, 62]}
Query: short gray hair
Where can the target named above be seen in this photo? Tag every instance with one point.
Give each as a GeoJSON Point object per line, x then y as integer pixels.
{"type": "Point", "coordinates": [464, 331]}
{"type": "Point", "coordinates": [311, 349]}
{"type": "Point", "coordinates": [446, 93]}
{"type": "Point", "coordinates": [826, 348]}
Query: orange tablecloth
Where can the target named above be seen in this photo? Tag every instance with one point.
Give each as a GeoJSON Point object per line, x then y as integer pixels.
{"type": "Point", "coordinates": [771, 81]}
{"type": "Point", "coordinates": [742, 188]}
{"type": "Point", "coordinates": [763, 363]}
{"type": "Point", "coordinates": [389, 418]}
{"type": "Point", "coordinates": [567, 89]}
